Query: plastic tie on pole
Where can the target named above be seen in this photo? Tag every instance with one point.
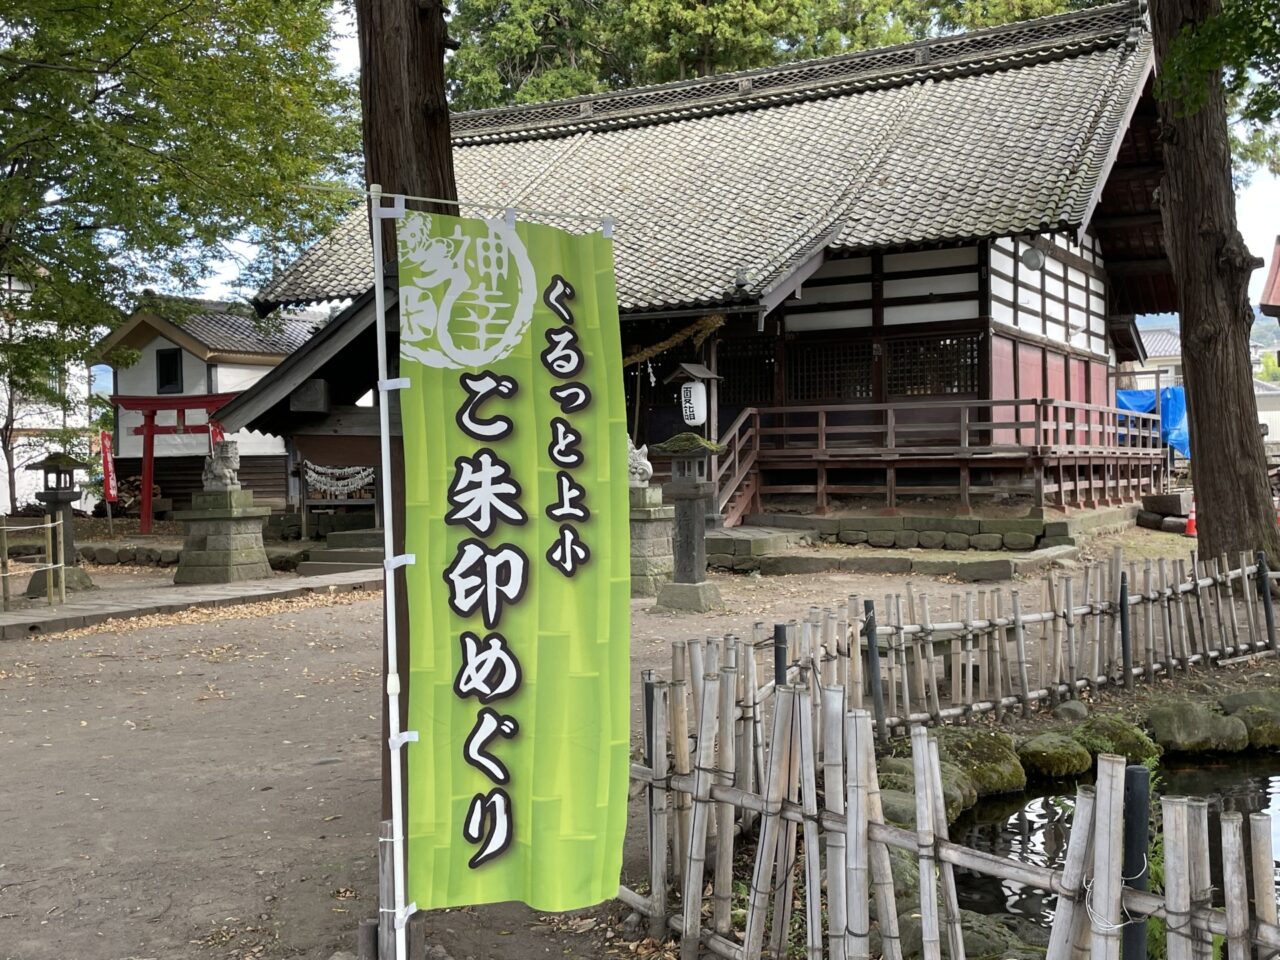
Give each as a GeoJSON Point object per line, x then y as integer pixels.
{"type": "Point", "coordinates": [398, 383]}
{"type": "Point", "coordinates": [403, 560]}
{"type": "Point", "coordinates": [509, 217]}
{"type": "Point", "coordinates": [402, 914]}
{"type": "Point", "coordinates": [606, 227]}
{"type": "Point", "coordinates": [401, 738]}
{"type": "Point", "coordinates": [393, 212]}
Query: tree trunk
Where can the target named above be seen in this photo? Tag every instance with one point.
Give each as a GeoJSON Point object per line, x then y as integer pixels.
{"type": "Point", "coordinates": [407, 150]}
{"type": "Point", "coordinates": [1212, 267]}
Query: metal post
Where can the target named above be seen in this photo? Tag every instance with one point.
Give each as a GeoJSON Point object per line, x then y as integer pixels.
{"type": "Point", "coordinates": [1137, 815]}
{"type": "Point", "coordinates": [60, 551]}
{"type": "Point", "coordinates": [780, 654]}
{"type": "Point", "coordinates": [1126, 636]}
{"type": "Point", "coordinates": [4, 560]}
{"type": "Point", "coordinates": [48, 559]}
{"type": "Point", "coordinates": [1264, 588]}
{"type": "Point", "coordinates": [873, 670]}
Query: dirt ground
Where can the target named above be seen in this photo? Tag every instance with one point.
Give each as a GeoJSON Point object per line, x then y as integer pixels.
{"type": "Point", "coordinates": [205, 785]}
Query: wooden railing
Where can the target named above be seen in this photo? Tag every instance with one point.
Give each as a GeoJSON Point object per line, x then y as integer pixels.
{"type": "Point", "coordinates": [963, 429]}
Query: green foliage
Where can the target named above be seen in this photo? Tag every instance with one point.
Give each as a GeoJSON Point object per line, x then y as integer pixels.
{"type": "Point", "coordinates": [523, 51]}
{"type": "Point", "coordinates": [1244, 42]}
{"type": "Point", "coordinates": [143, 141]}
{"type": "Point", "coordinates": [1270, 368]}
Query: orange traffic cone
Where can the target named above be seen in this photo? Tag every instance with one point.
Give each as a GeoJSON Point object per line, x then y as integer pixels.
{"type": "Point", "coordinates": [1191, 521]}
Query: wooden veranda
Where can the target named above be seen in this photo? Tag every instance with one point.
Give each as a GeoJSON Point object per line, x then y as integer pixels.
{"type": "Point", "coordinates": [1060, 453]}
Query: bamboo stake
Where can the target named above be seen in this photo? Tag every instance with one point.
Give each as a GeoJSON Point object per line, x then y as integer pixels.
{"type": "Point", "coordinates": [722, 885]}
{"type": "Point", "coordinates": [856, 944]}
{"type": "Point", "coordinates": [61, 570]}
{"type": "Point", "coordinates": [1230, 600]}
{"type": "Point", "coordinates": [1177, 880]}
{"type": "Point", "coordinates": [902, 652]}
{"type": "Point", "coordinates": [771, 823]}
{"type": "Point", "coordinates": [1248, 596]}
{"type": "Point", "coordinates": [1020, 643]}
{"type": "Point", "coordinates": [1056, 668]}
{"type": "Point", "coordinates": [812, 855]}
{"type": "Point", "coordinates": [1073, 661]}
{"type": "Point", "coordinates": [751, 750]}
{"type": "Point", "coordinates": [835, 787]}
{"type": "Point", "coordinates": [1215, 594]}
{"type": "Point", "coordinates": [48, 561]}
{"type": "Point", "coordinates": [881, 871]}
{"type": "Point", "coordinates": [856, 684]}
{"type": "Point", "coordinates": [1166, 619]}
{"type": "Point", "coordinates": [697, 671]}
{"type": "Point", "coordinates": [1148, 620]}
{"type": "Point", "coordinates": [1108, 848]}
{"type": "Point", "coordinates": [1184, 608]}
{"type": "Point", "coordinates": [683, 764]}
{"type": "Point", "coordinates": [1206, 643]}
{"type": "Point", "coordinates": [931, 667]}
{"type": "Point", "coordinates": [966, 685]}
{"type": "Point", "coordinates": [1264, 865]}
{"type": "Point", "coordinates": [1197, 859]}
{"type": "Point", "coordinates": [1073, 871]}
{"type": "Point", "coordinates": [1000, 656]}
{"type": "Point", "coordinates": [929, 936]}
{"type": "Point", "coordinates": [386, 891]}
{"type": "Point", "coordinates": [892, 667]}
{"type": "Point", "coordinates": [1235, 893]}
{"type": "Point", "coordinates": [695, 862]}
{"type": "Point", "coordinates": [658, 802]}
{"type": "Point", "coordinates": [950, 898]}
{"type": "Point", "coordinates": [784, 877]}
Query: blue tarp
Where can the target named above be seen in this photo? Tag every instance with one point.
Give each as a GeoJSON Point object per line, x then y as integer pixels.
{"type": "Point", "coordinates": [1173, 413]}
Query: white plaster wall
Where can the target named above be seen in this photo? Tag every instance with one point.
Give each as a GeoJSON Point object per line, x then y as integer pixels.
{"type": "Point", "coordinates": [140, 380]}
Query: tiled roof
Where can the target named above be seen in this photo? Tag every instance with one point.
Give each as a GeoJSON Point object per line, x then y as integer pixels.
{"type": "Point", "coordinates": [237, 333]}
{"type": "Point", "coordinates": [994, 133]}
{"type": "Point", "coordinates": [1262, 386]}
{"type": "Point", "coordinates": [1162, 343]}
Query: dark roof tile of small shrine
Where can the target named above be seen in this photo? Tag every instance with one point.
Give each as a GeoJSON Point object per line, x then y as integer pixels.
{"type": "Point", "coordinates": [993, 133]}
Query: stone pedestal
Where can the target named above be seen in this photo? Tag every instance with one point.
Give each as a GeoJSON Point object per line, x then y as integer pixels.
{"type": "Point", "coordinates": [691, 591]}
{"type": "Point", "coordinates": [224, 538]}
{"type": "Point", "coordinates": [652, 561]}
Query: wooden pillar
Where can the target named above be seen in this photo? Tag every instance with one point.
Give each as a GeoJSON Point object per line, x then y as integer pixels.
{"type": "Point", "coordinates": [148, 467]}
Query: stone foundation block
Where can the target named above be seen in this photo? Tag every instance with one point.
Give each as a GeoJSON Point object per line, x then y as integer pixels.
{"type": "Point", "coordinates": [870, 563]}
{"type": "Point", "coordinates": [1014, 525]}
{"type": "Point", "coordinates": [1019, 541]}
{"type": "Point", "coordinates": [882, 538]}
{"type": "Point", "coordinates": [853, 536]}
{"type": "Point", "coordinates": [955, 541]}
{"type": "Point", "coordinates": [1176, 504]}
{"type": "Point", "coordinates": [967, 525]}
{"type": "Point", "coordinates": [986, 541]}
{"type": "Point", "coordinates": [932, 539]}
{"type": "Point", "coordinates": [690, 597]}
{"type": "Point", "coordinates": [975, 570]}
{"type": "Point", "coordinates": [907, 539]}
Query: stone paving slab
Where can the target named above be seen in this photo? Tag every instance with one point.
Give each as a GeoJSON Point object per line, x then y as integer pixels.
{"type": "Point", "coordinates": [969, 565]}
{"type": "Point", "coordinates": [122, 604]}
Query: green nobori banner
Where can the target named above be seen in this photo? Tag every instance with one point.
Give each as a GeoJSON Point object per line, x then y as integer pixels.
{"type": "Point", "coordinates": [516, 511]}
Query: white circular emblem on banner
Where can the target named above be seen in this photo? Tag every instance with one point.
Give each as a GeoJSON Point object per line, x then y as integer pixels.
{"type": "Point", "coordinates": [693, 403]}
{"type": "Point", "coordinates": [467, 290]}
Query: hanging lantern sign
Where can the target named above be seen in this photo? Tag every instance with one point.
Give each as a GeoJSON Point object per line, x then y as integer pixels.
{"type": "Point", "coordinates": [693, 402]}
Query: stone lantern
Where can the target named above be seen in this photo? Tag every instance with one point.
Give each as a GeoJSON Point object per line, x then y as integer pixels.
{"type": "Point", "coordinates": [691, 488]}
{"type": "Point", "coordinates": [58, 496]}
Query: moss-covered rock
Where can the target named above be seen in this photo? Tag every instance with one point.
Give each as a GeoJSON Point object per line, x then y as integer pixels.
{"type": "Point", "coordinates": [1263, 724]}
{"type": "Point", "coordinates": [1185, 726]}
{"type": "Point", "coordinates": [958, 784]}
{"type": "Point", "coordinates": [958, 791]}
{"type": "Point", "coordinates": [686, 444]}
{"type": "Point", "coordinates": [985, 936]}
{"type": "Point", "coordinates": [1235, 702]}
{"type": "Point", "coordinates": [1105, 733]}
{"type": "Point", "coordinates": [1054, 755]}
{"type": "Point", "coordinates": [1073, 710]}
{"type": "Point", "coordinates": [899, 807]}
{"type": "Point", "coordinates": [986, 757]}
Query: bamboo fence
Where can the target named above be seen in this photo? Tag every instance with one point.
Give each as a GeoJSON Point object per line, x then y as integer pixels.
{"type": "Point", "coordinates": [55, 583]}
{"type": "Point", "coordinates": [803, 802]}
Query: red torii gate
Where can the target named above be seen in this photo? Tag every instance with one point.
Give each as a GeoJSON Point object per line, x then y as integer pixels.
{"type": "Point", "coordinates": [149, 407]}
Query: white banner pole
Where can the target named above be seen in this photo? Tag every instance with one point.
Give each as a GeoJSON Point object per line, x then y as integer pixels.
{"type": "Point", "coordinates": [396, 739]}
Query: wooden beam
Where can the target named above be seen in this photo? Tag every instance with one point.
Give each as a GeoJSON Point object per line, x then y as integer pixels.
{"type": "Point", "coordinates": [1123, 220]}
{"type": "Point", "coordinates": [1142, 171]}
{"type": "Point", "coordinates": [1144, 267]}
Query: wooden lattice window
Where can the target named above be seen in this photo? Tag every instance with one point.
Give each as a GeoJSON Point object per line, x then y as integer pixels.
{"type": "Point", "coordinates": [933, 366]}
{"type": "Point", "coordinates": [746, 370]}
{"type": "Point", "coordinates": [825, 370]}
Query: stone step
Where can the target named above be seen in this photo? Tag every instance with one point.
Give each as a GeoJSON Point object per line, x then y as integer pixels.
{"type": "Point", "coordinates": [347, 539]}
{"type": "Point", "coordinates": [369, 555]}
{"type": "Point", "coordinates": [315, 568]}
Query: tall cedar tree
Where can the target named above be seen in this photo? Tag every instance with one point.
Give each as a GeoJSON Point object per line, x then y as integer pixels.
{"type": "Point", "coordinates": [139, 139]}
{"type": "Point", "coordinates": [406, 150]}
{"type": "Point", "coordinates": [1212, 267]}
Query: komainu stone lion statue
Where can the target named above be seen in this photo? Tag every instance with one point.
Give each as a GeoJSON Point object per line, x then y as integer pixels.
{"type": "Point", "coordinates": [639, 469]}
{"type": "Point", "coordinates": [221, 467]}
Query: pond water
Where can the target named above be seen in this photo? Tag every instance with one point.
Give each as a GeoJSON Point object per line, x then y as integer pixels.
{"type": "Point", "coordinates": [1034, 826]}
